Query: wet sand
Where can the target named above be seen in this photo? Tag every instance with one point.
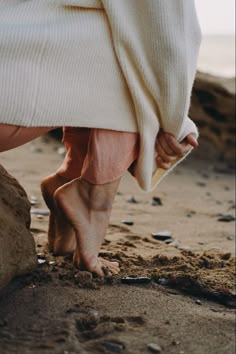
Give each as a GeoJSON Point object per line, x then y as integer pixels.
{"type": "Point", "coordinates": [185, 302]}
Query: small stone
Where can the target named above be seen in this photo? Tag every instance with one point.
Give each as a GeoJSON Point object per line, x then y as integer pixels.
{"type": "Point", "coordinates": [162, 235]}
{"type": "Point", "coordinates": [127, 222]}
{"type": "Point", "coordinates": [175, 342]}
{"type": "Point", "coordinates": [156, 201]}
{"type": "Point", "coordinates": [51, 262]}
{"type": "Point", "coordinates": [132, 200]}
{"type": "Point", "coordinates": [41, 261]}
{"type": "Point", "coordinates": [229, 238]}
{"type": "Point", "coordinates": [136, 280]}
{"type": "Point", "coordinates": [43, 212]}
{"type": "Point", "coordinates": [154, 348]}
{"type": "Point", "coordinates": [226, 218]}
{"type": "Point", "coordinates": [198, 302]}
{"type": "Point", "coordinates": [113, 347]}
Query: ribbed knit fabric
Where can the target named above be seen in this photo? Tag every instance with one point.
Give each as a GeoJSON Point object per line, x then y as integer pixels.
{"type": "Point", "coordinates": [58, 67]}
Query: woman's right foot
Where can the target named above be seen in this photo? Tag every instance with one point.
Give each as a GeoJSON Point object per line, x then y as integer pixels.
{"type": "Point", "coordinates": [61, 236]}
{"type": "Point", "coordinates": [87, 207]}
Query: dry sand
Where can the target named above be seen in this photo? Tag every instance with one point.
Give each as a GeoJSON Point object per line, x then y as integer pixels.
{"type": "Point", "coordinates": [187, 307]}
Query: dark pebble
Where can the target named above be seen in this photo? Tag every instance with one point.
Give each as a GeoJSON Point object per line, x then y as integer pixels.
{"type": "Point", "coordinates": [163, 236]}
{"type": "Point", "coordinates": [136, 280]}
{"type": "Point", "coordinates": [113, 347]}
{"type": "Point", "coordinates": [226, 218]}
{"type": "Point", "coordinates": [127, 222]}
{"type": "Point", "coordinates": [132, 200]}
{"type": "Point", "coordinates": [198, 302]}
{"type": "Point", "coordinates": [156, 201]}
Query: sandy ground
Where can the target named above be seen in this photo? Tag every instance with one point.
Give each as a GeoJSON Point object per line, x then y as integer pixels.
{"type": "Point", "coordinates": [186, 306]}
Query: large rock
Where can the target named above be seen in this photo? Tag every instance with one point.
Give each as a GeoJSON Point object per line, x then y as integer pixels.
{"type": "Point", "coordinates": [213, 110]}
{"type": "Point", "coordinates": [17, 247]}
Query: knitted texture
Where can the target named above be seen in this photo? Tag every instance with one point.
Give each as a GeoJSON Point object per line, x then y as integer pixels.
{"type": "Point", "coordinates": [124, 65]}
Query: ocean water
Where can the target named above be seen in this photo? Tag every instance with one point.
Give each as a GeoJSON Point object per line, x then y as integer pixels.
{"type": "Point", "coordinates": [217, 55]}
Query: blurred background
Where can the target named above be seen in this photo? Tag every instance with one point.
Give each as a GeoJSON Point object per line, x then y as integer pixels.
{"type": "Point", "coordinates": [217, 21]}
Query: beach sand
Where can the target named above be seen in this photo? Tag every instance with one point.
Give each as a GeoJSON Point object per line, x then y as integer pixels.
{"type": "Point", "coordinates": [184, 305]}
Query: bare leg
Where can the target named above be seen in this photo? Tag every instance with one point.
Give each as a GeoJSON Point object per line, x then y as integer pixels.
{"type": "Point", "coordinates": [61, 236]}
{"type": "Point", "coordinates": [88, 207]}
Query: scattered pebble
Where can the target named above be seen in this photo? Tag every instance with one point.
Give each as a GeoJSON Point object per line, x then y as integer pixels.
{"type": "Point", "coordinates": [162, 235]}
{"type": "Point", "coordinates": [198, 302]}
{"type": "Point", "coordinates": [41, 261]}
{"type": "Point", "coordinates": [156, 201]}
{"type": "Point", "coordinates": [43, 212]}
{"type": "Point", "coordinates": [175, 342]}
{"type": "Point", "coordinates": [113, 347]}
{"type": "Point", "coordinates": [154, 348]}
{"type": "Point", "coordinates": [127, 222]}
{"type": "Point", "coordinates": [226, 218]}
{"type": "Point", "coordinates": [136, 280]}
{"type": "Point", "coordinates": [229, 238]}
{"type": "Point", "coordinates": [132, 200]}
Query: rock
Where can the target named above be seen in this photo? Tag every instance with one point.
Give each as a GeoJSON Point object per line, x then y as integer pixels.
{"type": "Point", "coordinates": [132, 200]}
{"type": "Point", "coordinates": [163, 236]}
{"type": "Point", "coordinates": [113, 347]}
{"type": "Point", "coordinates": [154, 348]}
{"type": "Point", "coordinates": [198, 302]}
{"type": "Point", "coordinates": [136, 280]}
{"type": "Point", "coordinates": [17, 247]}
{"type": "Point", "coordinates": [156, 201]}
{"type": "Point", "coordinates": [226, 218]}
{"type": "Point", "coordinates": [127, 222]}
{"type": "Point", "coordinates": [213, 110]}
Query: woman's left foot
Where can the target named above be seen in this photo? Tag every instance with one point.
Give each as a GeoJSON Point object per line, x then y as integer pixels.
{"type": "Point", "coordinates": [61, 236]}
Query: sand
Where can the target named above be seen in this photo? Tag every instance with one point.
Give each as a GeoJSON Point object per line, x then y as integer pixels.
{"type": "Point", "coordinates": [184, 305]}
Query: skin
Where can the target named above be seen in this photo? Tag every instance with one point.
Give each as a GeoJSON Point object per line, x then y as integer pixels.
{"type": "Point", "coordinates": [80, 211]}
{"type": "Point", "coordinates": [168, 148]}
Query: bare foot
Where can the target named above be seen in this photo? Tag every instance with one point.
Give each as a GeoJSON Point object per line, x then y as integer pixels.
{"type": "Point", "coordinates": [61, 236]}
{"type": "Point", "coordinates": [88, 207]}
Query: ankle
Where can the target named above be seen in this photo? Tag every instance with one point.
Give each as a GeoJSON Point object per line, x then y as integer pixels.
{"type": "Point", "coordinates": [97, 197]}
